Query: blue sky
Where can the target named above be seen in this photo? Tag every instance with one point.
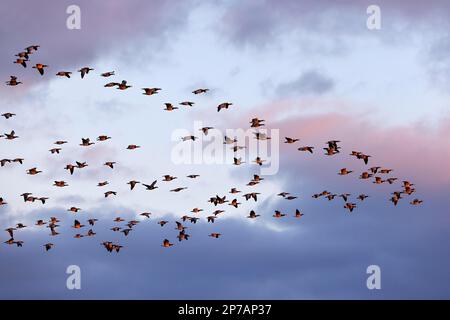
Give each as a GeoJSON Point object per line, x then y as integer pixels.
{"type": "Point", "coordinates": [311, 69]}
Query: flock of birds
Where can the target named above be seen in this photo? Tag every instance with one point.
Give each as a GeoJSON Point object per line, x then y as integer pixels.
{"type": "Point", "coordinates": [376, 174]}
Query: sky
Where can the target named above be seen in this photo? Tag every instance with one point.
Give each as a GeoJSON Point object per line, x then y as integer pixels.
{"type": "Point", "coordinates": [312, 70]}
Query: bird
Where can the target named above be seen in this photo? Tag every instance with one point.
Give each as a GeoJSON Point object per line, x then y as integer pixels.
{"type": "Point", "coordinates": [237, 161]}
{"type": "Point", "coordinates": [307, 148]}
{"type": "Point", "coordinates": [60, 142]}
{"type": "Point", "coordinates": [133, 146]}
{"type": "Point", "coordinates": [22, 62]}
{"type": "Point", "coordinates": [215, 235]}
{"type": "Point", "coordinates": [298, 214]}
{"type": "Point", "coordinates": [108, 193]}
{"type": "Point", "coordinates": [362, 197]}
{"type": "Point", "coordinates": [102, 184]}
{"type": "Point", "coordinates": [205, 130]}
{"type": "Point", "coordinates": [162, 223]}
{"type": "Point", "coordinates": [187, 138]}
{"type": "Point", "coordinates": [145, 214]}
{"type": "Point", "coordinates": [77, 224]}
{"type": "Point", "coordinates": [259, 161]}
{"type": "Point", "coordinates": [107, 74]}
{"type": "Point", "coordinates": [168, 177]}
{"type": "Point", "coordinates": [111, 84]}
{"type": "Point", "coordinates": [252, 215]}
{"type": "Point", "coordinates": [350, 206]}
{"type": "Point", "coordinates": [365, 175]}
{"type": "Point", "coordinates": [60, 184]}
{"type": "Point", "coordinates": [345, 196]}
{"type": "Point", "coordinates": [55, 150]}
{"type": "Point", "coordinates": [178, 189]}
{"type": "Point", "coordinates": [123, 85]}
{"type": "Point", "coordinates": [193, 176]}
{"type": "Point", "coordinates": [92, 221]}
{"type": "Point", "coordinates": [40, 67]}
{"type": "Point", "coordinates": [33, 171]}
{"type": "Point", "coordinates": [70, 167]}
{"type": "Point", "coordinates": [187, 103]}
{"type": "Point", "coordinates": [169, 107]}
{"type": "Point", "coordinates": [103, 138]}
{"type": "Point", "coordinates": [278, 214]}
{"type": "Point", "coordinates": [13, 81]}
{"type": "Point", "coordinates": [416, 202]}
{"type": "Point", "coordinates": [378, 180]}
{"type": "Point", "coordinates": [64, 74]}
{"type": "Point", "coordinates": [85, 70]}
{"type": "Point", "coordinates": [74, 209]}
{"type": "Point", "coordinates": [151, 186]}
{"type": "Point", "coordinates": [86, 142]}
{"type": "Point", "coordinates": [8, 115]}
{"type": "Point", "coordinates": [199, 91]}
{"type": "Point", "coordinates": [11, 135]}
{"type": "Point", "coordinates": [110, 164]}
{"type": "Point", "coordinates": [48, 246]}
{"type": "Point", "coordinates": [166, 243]}
{"type": "Point", "coordinates": [150, 91]}
{"type": "Point", "coordinates": [224, 105]}
{"type": "Point", "coordinates": [290, 140]}
{"type": "Point", "coordinates": [344, 172]}
{"type": "Point", "coordinates": [132, 184]}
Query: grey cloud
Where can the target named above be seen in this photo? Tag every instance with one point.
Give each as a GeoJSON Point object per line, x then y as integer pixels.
{"type": "Point", "coordinates": [309, 82]}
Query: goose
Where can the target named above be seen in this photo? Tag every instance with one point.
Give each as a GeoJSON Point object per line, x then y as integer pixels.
{"type": "Point", "coordinates": [132, 147]}
{"type": "Point", "coordinates": [102, 184]}
{"type": "Point", "coordinates": [261, 136]}
{"type": "Point", "coordinates": [40, 67]}
{"type": "Point", "coordinates": [107, 74]}
{"type": "Point", "coordinates": [200, 91]}
{"type": "Point", "coordinates": [150, 186]}
{"type": "Point", "coordinates": [307, 148]}
{"type": "Point", "coordinates": [13, 81]}
{"type": "Point", "coordinates": [211, 219]}
{"type": "Point", "coordinates": [70, 167]}
{"type": "Point", "coordinates": [362, 197]}
{"type": "Point", "coordinates": [205, 130]}
{"type": "Point", "coordinates": [85, 70]}
{"type": "Point", "coordinates": [150, 91]}
{"type": "Point", "coordinates": [259, 161]}
{"type": "Point", "coordinates": [187, 138]}
{"type": "Point", "coordinates": [132, 184]}
{"type": "Point", "coordinates": [108, 193]}
{"type": "Point", "coordinates": [416, 202]}
{"type": "Point", "coordinates": [103, 138]}
{"type": "Point", "coordinates": [365, 175]}
{"type": "Point", "coordinates": [237, 161]}
{"type": "Point", "coordinates": [33, 171]}
{"type": "Point", "coordinates": [74, 209]}
{"type": "Point", "coordinates": [344, 172]}
{"type": "Point", "coordinates": [187, 103]}
{"type": "Point", "coordinates": [64, 74]}
{"type": "Point", "coordinates": [278, 214]}
{"type": "Point", "coordinates": [8, 115]}
{"type": "Point", "coordinates": [111, 84]}
{"type": "Point", "coordinates": [374, 170]}
{"type": "Point", "coordinates": [298, 214]}
{"type": "Point", "coordinates": [345, 196]}
{"type": "Point", "coordinates": [234, 190]}
{"type": "Point", "coordinates": [166, 243]}
{"type": "Point", "coordinates": [81, 165]}
{"type": "Point", "coordinates": [86, 142]}
{"type": "Point", "coordinates": [48, 246]}
{"type": "Point", "coordinates": [168, 177]}
{"type": "Point", "coordinates": [350, 206]}
{"type": "Point", "coordinates": [224, 105]}
{"type": "Point", "coordinates": [178, 189]}
{"type": "Point", "coordinates": [146, 214]}
{"type": "Point", "coordinates": [193, 176]}
{"type": "Point", "coordinates": [391, 180]}
{"type": "Point", "coordinates": [215, 235]}
{"type": "Point", "coordinates": [55, 150]}
{"type": "Point", "coordinates": [11, 136]}
{"type": "Point", "coordinates": [22, 62]}
{"type": "Point", "coordinates": [77, 225]}
{"type": "Point", "coordinates": [162, 223]}
{"type": "Point", "coordinates": [379, 180]}
{"type": "Point", "coordinates": [110, 164]}
{"type": "Point", "coordinates": [234, 203]}
{"type": "Point", "coordinates": [92, 221]}
{"type": "Point", "coordinates": [252, 215]}
{"type": "Point", "coordinates": [256, 123]}
{"type": "Point", "coordinates": [123, 85]}
{"type": "Point", "coordinates": [290, 140]}
{"type": "Point", "coordinates": [169, 107]}
{"type": "Point", "coordinates": [60, 142]}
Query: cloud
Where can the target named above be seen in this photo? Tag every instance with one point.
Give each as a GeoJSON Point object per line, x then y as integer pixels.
{"type": "Point", "coordinates": [309, 82]}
